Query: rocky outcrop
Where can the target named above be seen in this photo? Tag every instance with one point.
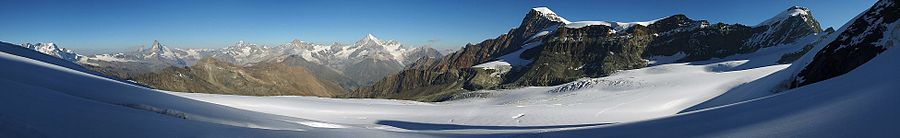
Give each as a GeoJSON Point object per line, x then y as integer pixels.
{"type": "Point", "coordinates": [865, 37]}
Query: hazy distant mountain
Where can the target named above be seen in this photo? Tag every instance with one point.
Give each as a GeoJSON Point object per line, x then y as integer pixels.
{"type": "Point", "coordinates": [210, 75]}
{"type": "Point", "coordinates": [367, 60]}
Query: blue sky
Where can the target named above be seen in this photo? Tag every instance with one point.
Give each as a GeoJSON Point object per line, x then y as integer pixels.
{"type": "Point", "coordinates": [121, 24]}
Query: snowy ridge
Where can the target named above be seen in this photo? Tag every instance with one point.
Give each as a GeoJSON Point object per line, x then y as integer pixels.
{"type": "Point", "coordinates": [53, 50]}
{"type": "Point", "coordinates": [244, 53]}
{"type": "Point", "coordinates": [617, 26]}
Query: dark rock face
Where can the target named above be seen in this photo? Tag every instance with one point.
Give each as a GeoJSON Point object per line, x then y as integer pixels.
{"type": "Point", "coordinates": [702, 42]}
{"type": "Point", "coordinates": [434, 79]}
{"type": "Point", "coordinates": [573, 53]}
{"type": "Point", "coordinates": [569, 53]}
{"type": "Point", "coordinates": [859, 43]}
{"type": "Point", "coordinates": [791, 57]}
{"type": "Point", "coordinates": [786, 30]}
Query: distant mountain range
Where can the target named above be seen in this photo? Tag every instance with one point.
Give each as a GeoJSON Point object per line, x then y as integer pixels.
{"type": "Point", "coordinates": [336, 68]}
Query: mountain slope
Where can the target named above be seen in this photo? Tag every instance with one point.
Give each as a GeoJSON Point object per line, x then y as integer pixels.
{"type": "Point", "coordinates": [265, 78]}
{"type": "Point", "coordinates": [548, 50]}
{"type": "Point", "coordinates": [868, 35]}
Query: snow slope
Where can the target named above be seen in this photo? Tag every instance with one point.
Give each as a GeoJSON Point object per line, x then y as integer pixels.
{"type": "Point", "coordinates": [630, 95]}
{"type": "Point", "coordinates": [43, 99]}
{"type": "Point", "coordinates": [627, 96]}
{"type": "Point", "coordinates": [842, 106]}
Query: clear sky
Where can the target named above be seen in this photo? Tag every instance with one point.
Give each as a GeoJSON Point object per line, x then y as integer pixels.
{"type": "Point", "coordinates": [120, 24]}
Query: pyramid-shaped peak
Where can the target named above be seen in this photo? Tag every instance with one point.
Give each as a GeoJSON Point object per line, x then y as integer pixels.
{"type": "Point", "coordinates": [370, 37]}
{"type": "Point", "coordinates": [156, 46]}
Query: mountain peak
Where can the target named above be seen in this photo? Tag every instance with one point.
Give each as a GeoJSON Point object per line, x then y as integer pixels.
{"type": "Point", "coordinates": [549, 14]}
{"type": "Point", "coordinates": [369, 39]}
{"type": "Point", "coordinates": [296, 41]}
{"type": "Point", "coordinates": [543, 10]}
{"type": "Point", "coordinates": [798, 8]}
{"type": "Point", "coordinates": [790, 12]}
{"type": "Point", "coordinates": [370, 36]}
{"type": "Point", "coordinates": [53, 47]}
{"type": "Point", "coordinates": [53, 50]}
{"type": "Point", "coordinates": [160, 51]}
{"type": "Point", "coordinates": [156, 47]}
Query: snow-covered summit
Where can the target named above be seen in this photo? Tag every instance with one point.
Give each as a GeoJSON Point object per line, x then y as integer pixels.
{"type": "Point", "coordinates": [372, 47]}
{"type": "Point", "coordinates": [158, 50]}
{"type": "Point", "coordinates": [791, 24]}
{"type": "Point", "coordinates": [784, 15]}
{"type": "Point", "coordinates": [369, 39]}
{"type": "Point", "coordinates": [549, 14]}
{"type": "Point", "coordinates": [371, 42]}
